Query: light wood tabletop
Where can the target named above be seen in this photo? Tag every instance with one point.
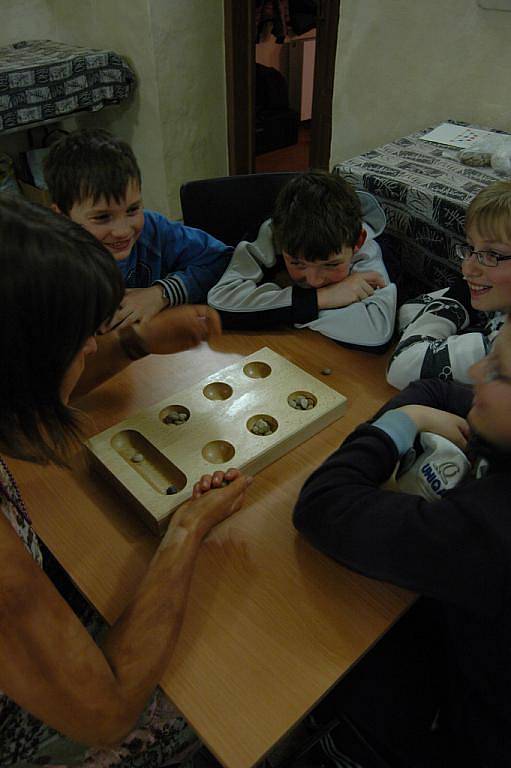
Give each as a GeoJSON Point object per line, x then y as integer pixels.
{"type": "Point", "coordinates": [271, 624]}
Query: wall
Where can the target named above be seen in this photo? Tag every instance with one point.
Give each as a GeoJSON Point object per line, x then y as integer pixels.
{"type": "Point", "coordinates": [403, 65]}
{"type": "Point", "coordinates": [188, 45]}
{"type": "Point", "coordinates": [176, 122]}
{"type": "Point", "coordinates": [25, 20]}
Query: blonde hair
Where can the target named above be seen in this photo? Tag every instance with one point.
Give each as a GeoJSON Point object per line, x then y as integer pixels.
{"type": "Point", "coordinates": [489, 213]}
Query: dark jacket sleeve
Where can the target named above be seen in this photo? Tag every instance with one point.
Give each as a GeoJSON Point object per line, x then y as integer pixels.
{"type": "Point", "coordinates": [444, 395]}
{"type": "Point", "coordinates": [303, 308]}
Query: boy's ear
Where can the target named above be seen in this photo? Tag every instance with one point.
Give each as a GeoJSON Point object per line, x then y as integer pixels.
{"type": "Point", "coordinates": [361, 240]}
{"type": "Point", "coordinates": [54, 207]}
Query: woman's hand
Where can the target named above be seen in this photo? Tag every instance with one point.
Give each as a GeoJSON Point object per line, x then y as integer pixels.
{"type": "Point", "coordinates": [179, 328]}
{"type": "Point", "coordinates": [218, 479]}
{"type": "Point", "coordinates": [214, 498]}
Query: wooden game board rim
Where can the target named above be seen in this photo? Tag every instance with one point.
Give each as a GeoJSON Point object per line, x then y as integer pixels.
{"type": "Point", "coordinates": [157, 510]}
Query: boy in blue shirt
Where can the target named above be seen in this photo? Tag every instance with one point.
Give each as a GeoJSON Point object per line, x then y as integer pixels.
{"type": "Point", "coordinates": [94, 179]}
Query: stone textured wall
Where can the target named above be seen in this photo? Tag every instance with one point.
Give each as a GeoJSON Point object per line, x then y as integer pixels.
{"type": "Point", "coordinates": [403, 65]}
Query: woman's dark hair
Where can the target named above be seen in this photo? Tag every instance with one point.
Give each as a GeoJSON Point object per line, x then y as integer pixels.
{"type": "Point", "coordinates": [315, 215]}
{"type": "Point", "coordinates": [89, 163]}
{"type": "Point", "coordinates": [58, 285]}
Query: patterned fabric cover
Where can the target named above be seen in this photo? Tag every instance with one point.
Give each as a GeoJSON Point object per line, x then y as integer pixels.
{"type": "Point", "coordinates": [44, 80]}
{"type": "Point", "coordinates": [425, 195]}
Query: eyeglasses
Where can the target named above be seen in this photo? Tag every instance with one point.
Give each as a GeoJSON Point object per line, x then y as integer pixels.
{"type": "Point", "coordinates": [487, 258]}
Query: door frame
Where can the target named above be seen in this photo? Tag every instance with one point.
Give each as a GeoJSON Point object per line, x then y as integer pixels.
{"type": "Point", "coordinates": [239, 29]}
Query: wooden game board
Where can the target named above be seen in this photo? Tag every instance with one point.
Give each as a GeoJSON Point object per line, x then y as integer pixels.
{"type": "Point", "coordinates": [221, 410]}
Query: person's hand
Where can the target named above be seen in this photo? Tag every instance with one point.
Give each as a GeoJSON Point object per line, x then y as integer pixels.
{"type": "Point", "coordinates": [356, 287]}
{"type": "Point", "coordinates": [178, 328]}
{"type": "Point", "coordinates": [218, 479]}
{"type": "Point", "coordinates": [212, 501]}
{"type": "Point", "coordinates": [138, 305]}
{"type": "Point", "coordinates": [448, 425]}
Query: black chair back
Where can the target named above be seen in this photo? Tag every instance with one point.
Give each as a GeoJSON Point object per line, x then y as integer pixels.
{"type": "Point", "coordinates": [231, 208]}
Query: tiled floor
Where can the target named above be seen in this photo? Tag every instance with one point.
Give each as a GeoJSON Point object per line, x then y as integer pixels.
{"type": "Point", "coordinates": [294, 158]}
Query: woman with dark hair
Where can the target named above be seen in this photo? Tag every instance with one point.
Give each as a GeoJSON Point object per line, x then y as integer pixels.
{"type": "Point", "coordinates": [65, 699]}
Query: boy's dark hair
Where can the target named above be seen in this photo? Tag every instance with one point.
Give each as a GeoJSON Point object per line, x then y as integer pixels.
{"type": "Point", "coordinates": [315, 215]}
{"type": "Point", "coordinates": [89, 163]}
{"type": "Point", "coordinates": [58, 285]}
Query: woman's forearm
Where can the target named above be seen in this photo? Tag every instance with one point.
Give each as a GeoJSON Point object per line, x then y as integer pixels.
{"type": "Point", "coordinates": [141, 642]}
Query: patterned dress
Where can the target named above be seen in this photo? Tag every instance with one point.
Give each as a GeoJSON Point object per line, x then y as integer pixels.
{"type": "Point", "coordinates": [162, 738]}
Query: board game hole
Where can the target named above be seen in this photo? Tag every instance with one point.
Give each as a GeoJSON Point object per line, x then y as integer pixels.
{"type": "Point", "coordinates": [175, 415]}
{"type": "Point", "coordinates": [302, 401]}
{"type": "Point", "coordinates": [145, 459]}
{"type": "Point", "coordinates": [218, 451]}
{"type": "Point", "coordinates": [262, 425]}
{"type": "Point", "coordinates": [257, 370]}
{"type": "Point", "coordinates": [217, 390]}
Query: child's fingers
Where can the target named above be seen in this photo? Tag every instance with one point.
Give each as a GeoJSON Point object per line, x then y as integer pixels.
{"type": "Point", "coordinates": [465, 428]}
{"type": "Point", "coordinates": [464, 431]}
{"type": "Point", "coordinates": [375, 279]}
{"type": "Point", "coordinates": [211, 319]}
{"type": "Point", "coordinates": [365, 290]}
{"type": "Point", "coordinates": [128, 320]}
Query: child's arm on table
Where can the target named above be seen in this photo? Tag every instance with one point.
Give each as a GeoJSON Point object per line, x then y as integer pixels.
{"type": "Point", "coordinates": [185, 263]}
{"type": "Point", "coordinates": [356, 287]}
{"type": "Point", "coordinates": [139, 305]}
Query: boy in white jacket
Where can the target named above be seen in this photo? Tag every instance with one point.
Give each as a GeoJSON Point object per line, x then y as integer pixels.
{"type": "Point", "coordinates": [316, 264]}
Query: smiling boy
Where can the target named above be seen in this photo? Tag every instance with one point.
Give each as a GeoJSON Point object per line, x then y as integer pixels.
{"type": "Point", "coordinates": [316, 264]}
{"type": "Point", "coordinates": [94, 179]}
{"type": "Point", "coordinates": [436, 341]}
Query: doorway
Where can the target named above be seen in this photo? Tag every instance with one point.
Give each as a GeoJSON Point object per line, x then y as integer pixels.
{"type": "Point", "coordinates": [301, 128]}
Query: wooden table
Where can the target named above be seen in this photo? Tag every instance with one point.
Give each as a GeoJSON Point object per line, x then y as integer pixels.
{"type": "Point", "coordinates": [271, 624]}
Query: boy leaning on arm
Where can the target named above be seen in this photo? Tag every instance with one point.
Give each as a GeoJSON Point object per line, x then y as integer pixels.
{"type": "Point", "coordinates": [316, 264]}
{"type": "Point", "coordinates": [94, 179]}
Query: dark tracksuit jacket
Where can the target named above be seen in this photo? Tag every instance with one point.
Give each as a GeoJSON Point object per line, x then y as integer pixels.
{"type": "Point", "coordinates": [456, 550]}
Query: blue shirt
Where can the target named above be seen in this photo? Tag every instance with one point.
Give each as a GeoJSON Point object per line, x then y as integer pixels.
{"type": "Point", "coordinates": [186, 262]}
